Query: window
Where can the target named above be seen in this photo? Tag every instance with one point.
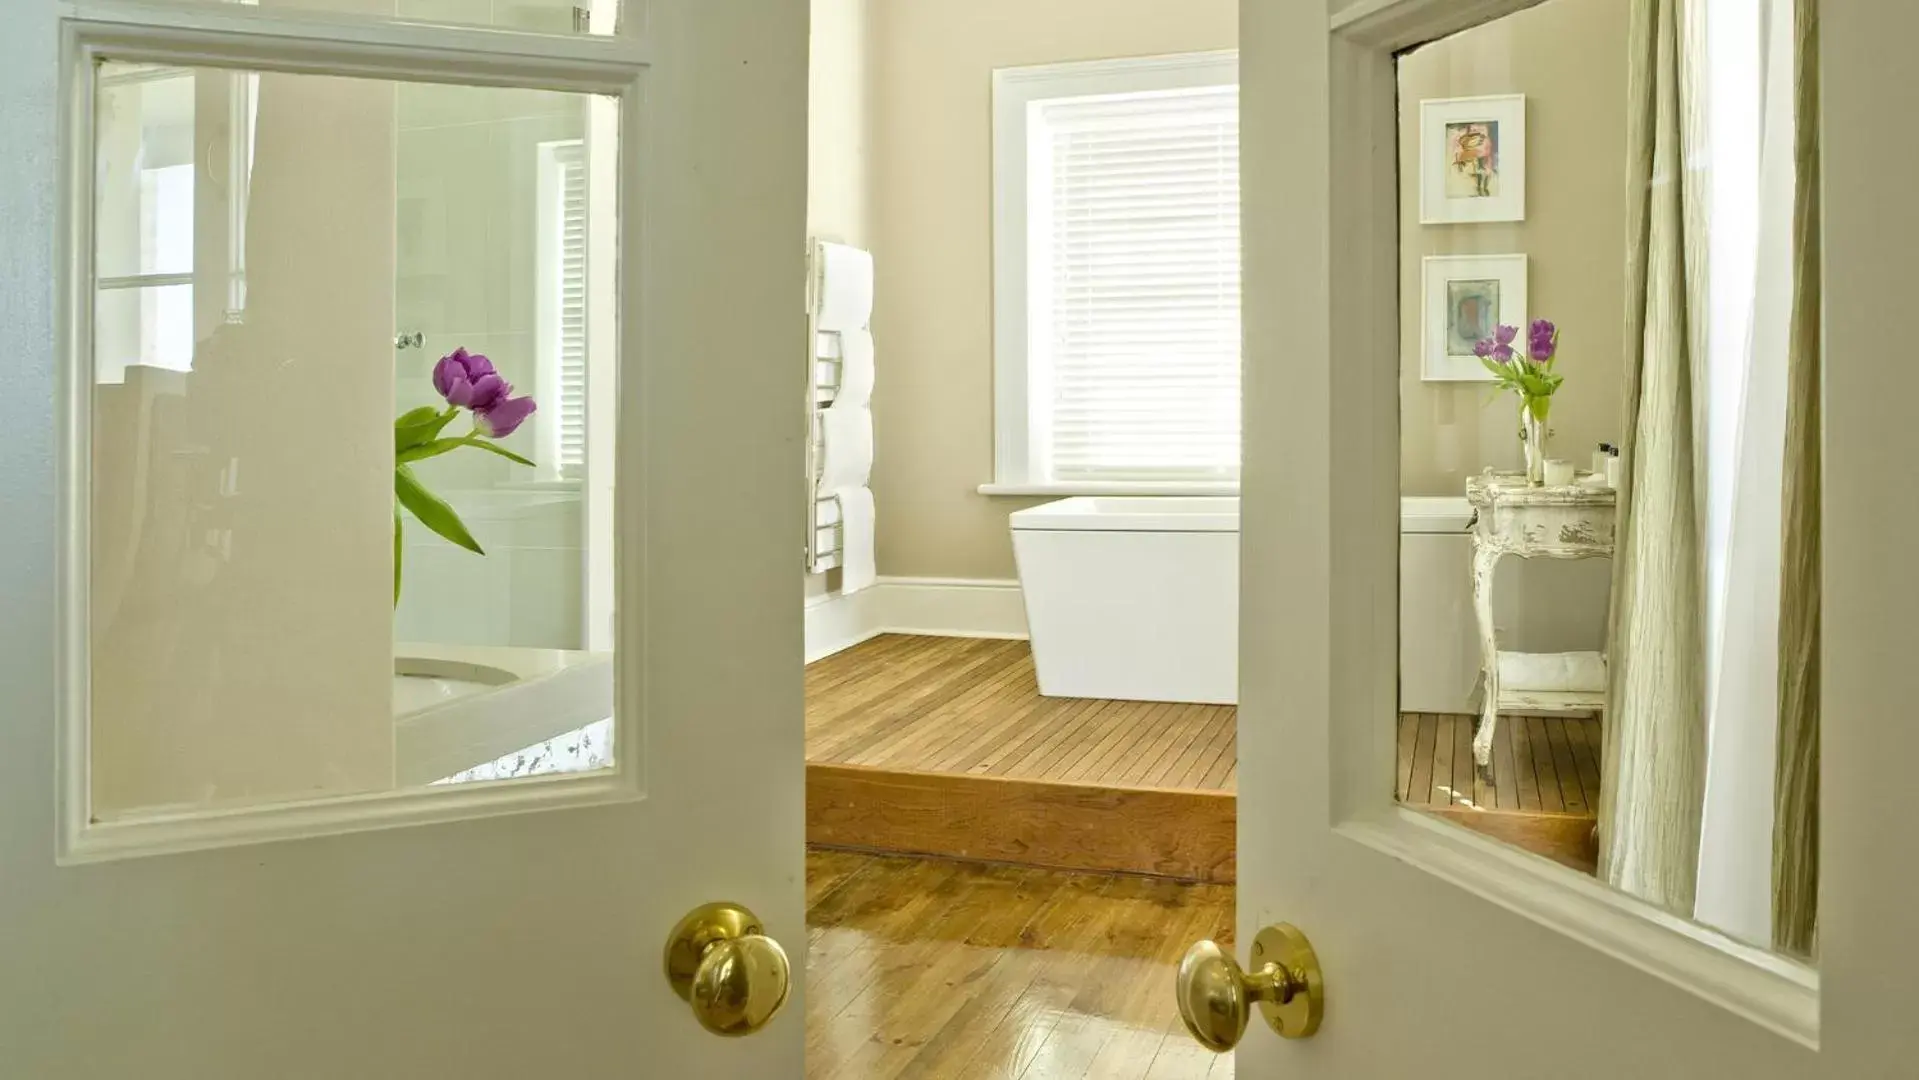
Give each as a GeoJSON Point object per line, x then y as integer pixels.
{"type": "Point", "coordinates": [1116, 277]}
{"type": "Point", "coordinates": [144, 312]}
{"type": "Point", "coordinates": [562, 305]}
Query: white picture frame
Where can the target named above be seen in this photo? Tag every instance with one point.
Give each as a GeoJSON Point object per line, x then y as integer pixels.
{"type": "Point", "coordinates": [1472, 159]}
{"type": "Point", "coordinates": [1462, 298]}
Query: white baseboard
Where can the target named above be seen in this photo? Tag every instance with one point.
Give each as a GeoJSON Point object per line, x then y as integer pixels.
{"type": "Point", "coordinates": [939, 607]}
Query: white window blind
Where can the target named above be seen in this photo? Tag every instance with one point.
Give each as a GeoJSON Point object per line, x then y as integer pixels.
{"type": "Point", "coordinates": [570, 162]}
{"type": "Point", "coordinates": [1133, 278]}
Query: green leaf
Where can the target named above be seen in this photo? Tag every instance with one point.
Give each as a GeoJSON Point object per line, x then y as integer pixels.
{"type": "Point", "coordinates": [421, 425]}
{"type": "Point", "coordinates": [396, 554]}
{"type": "Point", "coordinates": [432, 511]}
{"type": "Point", "coordinates": [475, 440]}
{"type": "Point", "coordinates": [427, 450]}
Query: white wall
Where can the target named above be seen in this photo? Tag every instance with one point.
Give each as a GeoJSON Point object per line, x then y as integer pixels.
{"type": "Point", "coordinates": [467, 261]}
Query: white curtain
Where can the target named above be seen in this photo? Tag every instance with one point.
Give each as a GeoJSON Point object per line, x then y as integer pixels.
{"type": "Point", "coordinates": [1749, 59]}
{"type": "Point", "coordinates": [1653, 774]}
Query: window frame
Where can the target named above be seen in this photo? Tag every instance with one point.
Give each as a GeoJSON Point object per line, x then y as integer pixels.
{"type": "Point", "coordinates": [1017, 469]}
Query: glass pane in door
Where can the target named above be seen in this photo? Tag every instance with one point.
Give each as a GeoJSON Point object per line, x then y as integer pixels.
{"type": "Point", "coordinates": [1609, 467]}
{"type": "Point", "coordinates": [350, 420]}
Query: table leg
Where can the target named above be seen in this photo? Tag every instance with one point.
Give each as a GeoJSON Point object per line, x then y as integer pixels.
{"type": "Point", "coordinates": [1485, 561]}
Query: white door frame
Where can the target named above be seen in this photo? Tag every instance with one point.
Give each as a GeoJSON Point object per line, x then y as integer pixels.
{"type": "Point", "coordinates": [1319, 631]}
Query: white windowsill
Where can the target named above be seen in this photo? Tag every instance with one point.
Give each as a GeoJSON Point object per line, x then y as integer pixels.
{"type": "Point", "coordinates": [1113, 487]}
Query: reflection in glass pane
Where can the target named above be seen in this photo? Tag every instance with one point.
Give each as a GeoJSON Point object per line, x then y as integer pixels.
{"type": "Point", "coordinates": [268, 621]}
{"type": "Point", "coordinates": [1604, 638]}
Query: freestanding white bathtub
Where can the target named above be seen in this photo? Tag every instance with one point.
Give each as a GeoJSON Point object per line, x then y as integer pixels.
{"type": "Point", "coordinates": [1133, 598]}
{"type": "Point", "coordinates": [1137, 598]}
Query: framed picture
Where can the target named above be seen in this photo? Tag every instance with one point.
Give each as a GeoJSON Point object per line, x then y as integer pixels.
{"type": "Point", "coordinates": [1472, 159]}
{"type": "Point", "coordinates": [1465, 297]}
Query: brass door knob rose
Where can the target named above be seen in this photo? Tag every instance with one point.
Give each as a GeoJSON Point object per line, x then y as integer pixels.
{"type": "Point", "coordinates": [1217, 996]}
{"type": "Point", "coordinates": [720, 961]}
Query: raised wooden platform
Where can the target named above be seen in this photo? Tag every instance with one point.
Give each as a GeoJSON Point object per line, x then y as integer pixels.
{"type": "Point", "coordinates": [1541, 794]}
{"type": "Point", "coordinates": [944, 746]}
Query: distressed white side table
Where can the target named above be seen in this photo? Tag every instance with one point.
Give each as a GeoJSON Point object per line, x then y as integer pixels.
{"type": "Point", "coordinates": [1510, 517]}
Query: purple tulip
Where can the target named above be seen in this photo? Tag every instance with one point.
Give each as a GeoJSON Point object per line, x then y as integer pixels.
{"type": "Point", "coordinates": [1483, 348]}
{"type": "Point", "coordinates": [1502, 334]}
{"type": "Point", "coordinates": [469, 381]}
{"type": "Point", "coordinates": [504, 416]}
{"type": "Point", "coordinates": [1542, 341]}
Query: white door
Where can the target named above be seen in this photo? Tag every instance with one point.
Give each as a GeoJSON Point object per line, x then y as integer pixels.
{"type": "Point", "coordinates": [1444, 953]}
{"type": "Point", "coordinates": [217, 855]}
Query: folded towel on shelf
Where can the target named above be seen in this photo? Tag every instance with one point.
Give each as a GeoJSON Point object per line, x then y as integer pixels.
{"type": "Point", "coordinates": [1571, 672]}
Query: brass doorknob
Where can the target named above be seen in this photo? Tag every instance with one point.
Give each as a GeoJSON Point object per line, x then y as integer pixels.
{"type": "Point", "coordinates": [720, 961]}
{"type": "Point", "coordinates": [1216, 996]}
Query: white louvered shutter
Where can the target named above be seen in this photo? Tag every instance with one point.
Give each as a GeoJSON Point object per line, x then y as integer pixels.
{"type": "Point", "coordinates": [571, 161]}
{"type": "Point", "coordinates": [1133, 236]}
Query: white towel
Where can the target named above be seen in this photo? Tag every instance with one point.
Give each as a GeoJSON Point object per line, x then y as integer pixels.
{"type": "Point", "coordinates": [857, 567]}
{"type": "Point", "coordinates": [846, 447]}
{"type": "Point", "coordinates": [845, 288]}
{"type": "Point", "coordinates": [856, 368]}
{"type": "Point", "coordinates": [1573, 672]}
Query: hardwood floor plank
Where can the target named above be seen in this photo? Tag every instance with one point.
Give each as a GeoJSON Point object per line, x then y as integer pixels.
{"type": "Point", "coordinates": [978, 1040]}
{"type": "Point", "coordinates": [916, 731]}
{"type": "Point", "coordinates": [1163, 723]}
{"type": "Point", "coordinates": [1408, 742]}
{"type": "Point", "coordinates": [879, 906]}
{"type": "Point", "coordinates": [1465, 771]}
{"type": "Point", "coordinates": [987, 721]}
{"type": "Point", "coordinates": [1161, 764]}
{"type": "Point", "coordinates": [1440, 791]}
{"type": "Point", "coordinates": [831, 871]}
{"type": "Point", "coordinates": [1061, 713]}
{"type": "Point", "coordinates": [926, 987]}
{"type": "Point", "coordinates": [1121, 739]}
{"type": "Point", "coordinates": [924, 697]}
{"type": "Point", "coordinates": [1505, 775]}
{"type": "Point", "coordinates": [1225, 751]}
{"type": "Point", "coordinates": [1586, 758]}
{"type": "Point", "coordinates": [1419, 788]}
{"type": "Point", "coordinates": [1136, 1021]}
{"type": "Point", "coordinates": [1570, 792]}
{"type": "Point", "coordinates": [1550, 798]}
{"type": "Point", "coordinates": [1526, 780]}
{"type": "Point", "coordinates": [1137, 947]}
{"type": "Point", "coordinates": [956, 705]}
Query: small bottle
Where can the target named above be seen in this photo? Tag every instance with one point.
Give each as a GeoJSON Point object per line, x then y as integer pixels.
{"type": "Point", "coordinates": [1612, 468]}
{"type": "Point", "coordinates": [1599, 458]}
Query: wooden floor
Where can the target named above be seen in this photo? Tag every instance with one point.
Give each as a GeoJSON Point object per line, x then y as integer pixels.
{"type": "Point", "coordinates": [1540, 764]}
{"type": "Point", "coordinates": [931, 969]}
{"type": "Point", "coordinates": [971, 707]}
{"type": "Point", "coordinates": [1541, 792]}
{"type": "Point", "coordinates": [944, 746]}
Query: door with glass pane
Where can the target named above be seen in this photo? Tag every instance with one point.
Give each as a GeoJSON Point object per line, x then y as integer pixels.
{"type": "Point", "coordinates": [1563, 774]}
{"type": "Point", "coordinates": [398, 636]}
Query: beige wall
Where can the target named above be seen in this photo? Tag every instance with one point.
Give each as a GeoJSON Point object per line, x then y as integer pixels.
{"type": "Point", "coordinates": [1566, 56]}
{"type": "Point", "coordinates": [242, 512]}
{"type": "Point", "coordinates": [932, 69]}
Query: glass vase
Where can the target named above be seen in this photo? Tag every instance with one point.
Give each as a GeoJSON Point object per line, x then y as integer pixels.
{"type": "Point", "coordinates": [1534, 433]}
